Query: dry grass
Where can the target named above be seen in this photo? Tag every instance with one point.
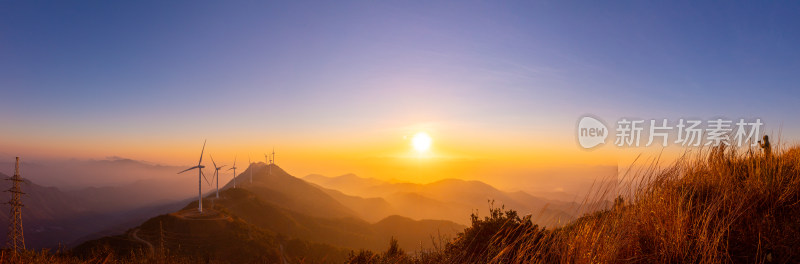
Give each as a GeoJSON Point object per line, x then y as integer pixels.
{"type": "Point", "coordinates": [710, 207]}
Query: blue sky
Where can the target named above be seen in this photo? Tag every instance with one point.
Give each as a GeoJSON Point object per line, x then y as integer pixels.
{"type": "Point", "coordinates": [94, 73]}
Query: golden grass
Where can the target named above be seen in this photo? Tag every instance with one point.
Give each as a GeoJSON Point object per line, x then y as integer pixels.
{"type": "Point", "coordinates": [710, 207]}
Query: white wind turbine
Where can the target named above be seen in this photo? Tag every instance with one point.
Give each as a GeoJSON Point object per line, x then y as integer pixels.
{"type": "Point", "coordinates": [216, 173]}
{"type": "Point", "coordinates": [234, 172]}
{"type": "Point", "coordinates": [200, 174]}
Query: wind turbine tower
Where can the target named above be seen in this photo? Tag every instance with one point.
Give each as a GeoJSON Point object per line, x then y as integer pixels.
{"type": "Point", "coordinates": [200, 174]}
{"type": "Point", "coordinates": [272, 160]}
{"type": "Point", "coordinates": [216, 173]}
{"type": "Point", "coordinates": [234, 172]}
{"type": "Point", "coordinates": [268, 161]}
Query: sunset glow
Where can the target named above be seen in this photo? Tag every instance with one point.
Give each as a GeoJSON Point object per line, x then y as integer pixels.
{"type": "Point", "coordinates": [421, 142]}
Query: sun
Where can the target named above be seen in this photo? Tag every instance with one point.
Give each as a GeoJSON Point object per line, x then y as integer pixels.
{"type": "Point", "coordinates": [421, 142]}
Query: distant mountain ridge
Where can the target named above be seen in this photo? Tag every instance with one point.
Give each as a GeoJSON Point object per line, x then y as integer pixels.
{"type": "Point", "coordinates": [370, 209]}
{"type": "Point", "coordinates": [344, 183]}
{"type": "Point", "coordinates": [450, 199]}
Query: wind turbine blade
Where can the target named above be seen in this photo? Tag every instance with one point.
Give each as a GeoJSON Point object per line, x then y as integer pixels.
{"type": "Point", "coordinates": [212, 161]}
{"type": "Point", "coordinates": [204, 177]}
{"type": "Point", "coordinates": [201, 151]}
{"type": "Point", "coordinates": [234, 161]}
{"type": "Point", "coordinates": [195, 167]}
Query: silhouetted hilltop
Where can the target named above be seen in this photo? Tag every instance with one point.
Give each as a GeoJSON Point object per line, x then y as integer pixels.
{"type": "Point", "coordinates": [274, 185]}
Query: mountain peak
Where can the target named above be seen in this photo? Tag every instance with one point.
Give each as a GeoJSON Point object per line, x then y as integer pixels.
{"type": "Point", "coordinates": [273, 184]}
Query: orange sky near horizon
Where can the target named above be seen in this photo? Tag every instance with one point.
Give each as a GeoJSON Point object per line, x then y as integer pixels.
{"type": "Point", "coordinates": [457, 151]}
{"type": "Point", "coordinates": [496, 155]}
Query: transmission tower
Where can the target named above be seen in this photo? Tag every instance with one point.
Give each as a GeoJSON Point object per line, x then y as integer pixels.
{"type": "Point", "coordinates": [16, 239]}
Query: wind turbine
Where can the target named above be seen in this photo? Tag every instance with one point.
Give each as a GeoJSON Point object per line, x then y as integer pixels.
{"type": "Point", "coordinates": [266, 159]}
{"type": "Point", "coordinates": [199, 168]}
{"type": "Point", "coordinates": [216, 173]}
{"type": "Point", "coordinates": [234, 172]}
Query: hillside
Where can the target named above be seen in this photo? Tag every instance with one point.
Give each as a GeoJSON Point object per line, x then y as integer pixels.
{"type": "Point", "coordinates": [249, 218]}
{"type": "Point", "coordinates": [215, 235]}
{"type": "Point", "coordinates": [345, 232]}
{"type": "Point", "coordinates": [276, 186]}
{"type": "Point", "coordinates": [370, 209]}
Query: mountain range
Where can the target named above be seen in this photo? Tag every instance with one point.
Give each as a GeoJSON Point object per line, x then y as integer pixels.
{"type": "Point", "coordinates": [449, 199]}
{"type": "Point", "coordinates": [274, 207]}
{"type": "Point", "coordinates": [331, 214]}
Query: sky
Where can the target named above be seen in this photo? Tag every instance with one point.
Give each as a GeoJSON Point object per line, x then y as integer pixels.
{"type": "Point", "coordinates": [338, 87]}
